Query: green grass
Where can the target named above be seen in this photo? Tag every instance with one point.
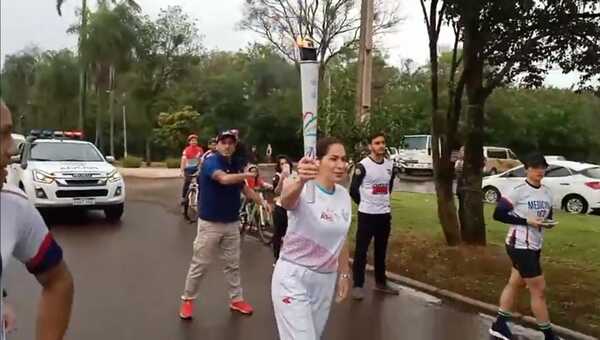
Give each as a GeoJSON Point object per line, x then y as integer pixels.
{"type": "Point", "coordinates": [576, 240]}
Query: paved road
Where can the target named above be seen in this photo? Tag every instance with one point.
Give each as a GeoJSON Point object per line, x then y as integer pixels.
{"type": "Point", "coordinates": [129, 278]}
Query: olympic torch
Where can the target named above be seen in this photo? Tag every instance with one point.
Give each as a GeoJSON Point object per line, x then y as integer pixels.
{"type": "Point", "coordinates": [309, 80]}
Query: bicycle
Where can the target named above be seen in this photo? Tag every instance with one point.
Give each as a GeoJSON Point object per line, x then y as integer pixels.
{"type": "Point", "coordinates": [256, 220]}
{"type": "Point", "coordinates": [190, 209]}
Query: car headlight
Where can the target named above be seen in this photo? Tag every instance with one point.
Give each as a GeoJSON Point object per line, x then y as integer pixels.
{"type": "Point", "coordinates": [114, 176]}
{"type": "Point", "coordinates": [42, 177]}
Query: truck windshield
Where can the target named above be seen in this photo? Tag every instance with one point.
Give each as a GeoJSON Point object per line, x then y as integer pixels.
{"type": "Point", "coordinates": [64, 152]}
{"type": "Point", "coordinates": [415, 143]}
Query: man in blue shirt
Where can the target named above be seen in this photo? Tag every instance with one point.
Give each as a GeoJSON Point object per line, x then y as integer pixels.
{"type": "Point", "coordinates": [222, 181]}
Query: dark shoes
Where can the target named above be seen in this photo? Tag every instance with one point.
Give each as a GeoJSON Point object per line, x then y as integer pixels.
{"type": "Point", "coordinates": [500, 330]}
{"type": "Point", "coordinates": [386, 289]}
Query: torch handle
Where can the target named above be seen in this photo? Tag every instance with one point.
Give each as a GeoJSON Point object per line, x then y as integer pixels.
{"type": "Point", "coordinates": [309, 77]}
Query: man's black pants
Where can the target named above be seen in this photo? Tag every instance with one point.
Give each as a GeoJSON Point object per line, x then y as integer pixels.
{"type": "Point", "coordinates": [371, 226]}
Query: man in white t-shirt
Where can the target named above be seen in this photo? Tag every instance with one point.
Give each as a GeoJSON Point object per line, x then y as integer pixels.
{"type": "Point", "coordinates": [371, 189]}
{"type": "Point", "coordinates": [24, 235]}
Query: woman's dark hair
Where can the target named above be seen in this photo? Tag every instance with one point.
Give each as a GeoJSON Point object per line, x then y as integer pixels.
{"type": "Point", "coordinates": [323, 145]}
{"type": "Point", "coordinates": [254, 166]}
{"type": "Point", "coordinates": [278, 168]}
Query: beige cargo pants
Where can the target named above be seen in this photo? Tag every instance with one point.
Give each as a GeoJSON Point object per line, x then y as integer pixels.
{"type": "Point", "coordinates": [210, 236]}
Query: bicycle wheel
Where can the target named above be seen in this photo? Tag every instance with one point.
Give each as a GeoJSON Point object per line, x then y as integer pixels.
{"type": "Point", "coordinates": [192, 205]}
{"type": "Point", "coordinates": [253, 220]}
{"type": "Point", "coordinates": [265, 229]}
{"type": "Point", "coordinates": [244, 221]}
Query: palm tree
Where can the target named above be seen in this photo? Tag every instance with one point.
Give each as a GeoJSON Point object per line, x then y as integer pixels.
{"type": "Point", "coordinates": [131, 3]}
{"type": "Point", "coordinates": [110, 38]}
{"type": "Point", "coordinates": [83, 67]}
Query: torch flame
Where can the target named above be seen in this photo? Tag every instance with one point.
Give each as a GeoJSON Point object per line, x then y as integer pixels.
{"type": "Point", "coordinates": [304, 42]}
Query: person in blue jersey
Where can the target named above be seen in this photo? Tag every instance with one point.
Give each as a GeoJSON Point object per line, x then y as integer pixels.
{"type": "Point", "coordinates": [222, 182]}
{"type": "Point", "coordinates": [527, 209]}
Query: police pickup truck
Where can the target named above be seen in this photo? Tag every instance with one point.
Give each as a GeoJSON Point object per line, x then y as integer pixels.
{"type": "Point", "coordinates": [58, 169]}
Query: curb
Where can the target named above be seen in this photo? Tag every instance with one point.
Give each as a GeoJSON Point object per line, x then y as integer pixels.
{"type": "Point", "coordinates": [150, 177]}
{"type": "Point", "coordinates": [487, 307]}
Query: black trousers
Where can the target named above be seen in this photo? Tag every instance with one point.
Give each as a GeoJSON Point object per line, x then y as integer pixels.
{"type": "Point", "coordinates": [280, 224]}
{"type": "Point", "coordinates": [371, 226]}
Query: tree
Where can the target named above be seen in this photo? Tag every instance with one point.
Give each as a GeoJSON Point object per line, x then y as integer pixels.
{"type": "Point", "coordinates": [167, 49]}
{"type": "Point", "coordinates": [503, 40]}
{"type": "Point", "coordinates": [444, 122]}
{"type": "Point", "coordinates": [56, 88]}
{"type": "Point", "coordinates": [131, 3]}
{"type": "Point", "coordinates": [83, 72]}
{"type": "Point", "coordinates": [17, 80]}
{"type": "Point", "coordinates": [109, 43]}
{"type": "Point", "coordinates": [174, 127]}
{"type": "Point", "coordinates": [333, 25]}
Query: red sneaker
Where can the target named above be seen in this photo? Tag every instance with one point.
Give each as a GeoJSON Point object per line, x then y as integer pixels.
{"type": "Point", "coordinates": [242, 307]}
{"type": "Point", "coordinates": [186, 310]}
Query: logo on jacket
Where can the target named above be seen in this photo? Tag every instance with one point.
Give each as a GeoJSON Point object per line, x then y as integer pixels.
{"type": "Point", "coordinates": [287, 300]}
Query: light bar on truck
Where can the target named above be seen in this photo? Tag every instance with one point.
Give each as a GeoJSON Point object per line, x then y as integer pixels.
{"type": "Point", "coordinates": [49, 133]}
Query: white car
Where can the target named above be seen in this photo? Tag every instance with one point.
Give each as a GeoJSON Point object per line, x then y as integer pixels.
{"type": "Point", "coordinates": [575, 186]}
{"type": "Point", "coordinates": [68, 173]}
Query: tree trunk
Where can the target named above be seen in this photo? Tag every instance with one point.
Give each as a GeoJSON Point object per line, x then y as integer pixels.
{"type": "Point", "coordinates": [82, 72]}
{"type": "Point", "coordinates": [100, 108]}
{"type": "Point", "coordinates": [441, 150]}
{"type": "Point", "coordinates": [148, 151]}
{"type": "Point", "coordinates": [473, 223]}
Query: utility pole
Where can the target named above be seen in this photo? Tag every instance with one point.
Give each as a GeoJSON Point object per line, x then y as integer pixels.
{"type": "Point", "coordinates": [365, 62]}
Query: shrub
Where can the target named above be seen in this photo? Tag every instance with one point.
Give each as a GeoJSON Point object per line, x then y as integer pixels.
{"type": "Point", "coordinates": [131, 162]}
{"type": "Point", "coordinates": [173, 163]}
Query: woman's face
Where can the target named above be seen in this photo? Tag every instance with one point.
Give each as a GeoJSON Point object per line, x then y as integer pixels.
{"type": "Point", "coordinates": [282, 163]}
{"type": "Point", "coordinates": [254, 171]}
{"type": "Point", "coordinates": [334, 164]}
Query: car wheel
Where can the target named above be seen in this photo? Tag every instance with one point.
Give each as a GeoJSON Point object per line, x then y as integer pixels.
{"type": "Point", "coordinates": [575, 204]}
{"type": "Point", "coordinates": [114, 213]}
{"type": "Point", "coordinates": [491, 195]}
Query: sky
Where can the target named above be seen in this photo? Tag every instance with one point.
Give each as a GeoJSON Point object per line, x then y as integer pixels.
{"type": "Point", "coordinates": [26, 23]}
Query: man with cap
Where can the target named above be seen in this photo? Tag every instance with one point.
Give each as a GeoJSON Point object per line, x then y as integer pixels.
{"type": "Point", "coordinates": [222, 181]}
{"type": "Point", "coordinates": [527, 209]}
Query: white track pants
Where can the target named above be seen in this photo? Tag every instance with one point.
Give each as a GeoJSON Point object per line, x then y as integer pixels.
{"type": "Point", "coordinates": [301, 300]}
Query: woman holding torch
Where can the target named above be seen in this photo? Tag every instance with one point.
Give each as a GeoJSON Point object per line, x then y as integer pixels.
{"type": "Point", "coordinates": [314, 255]}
